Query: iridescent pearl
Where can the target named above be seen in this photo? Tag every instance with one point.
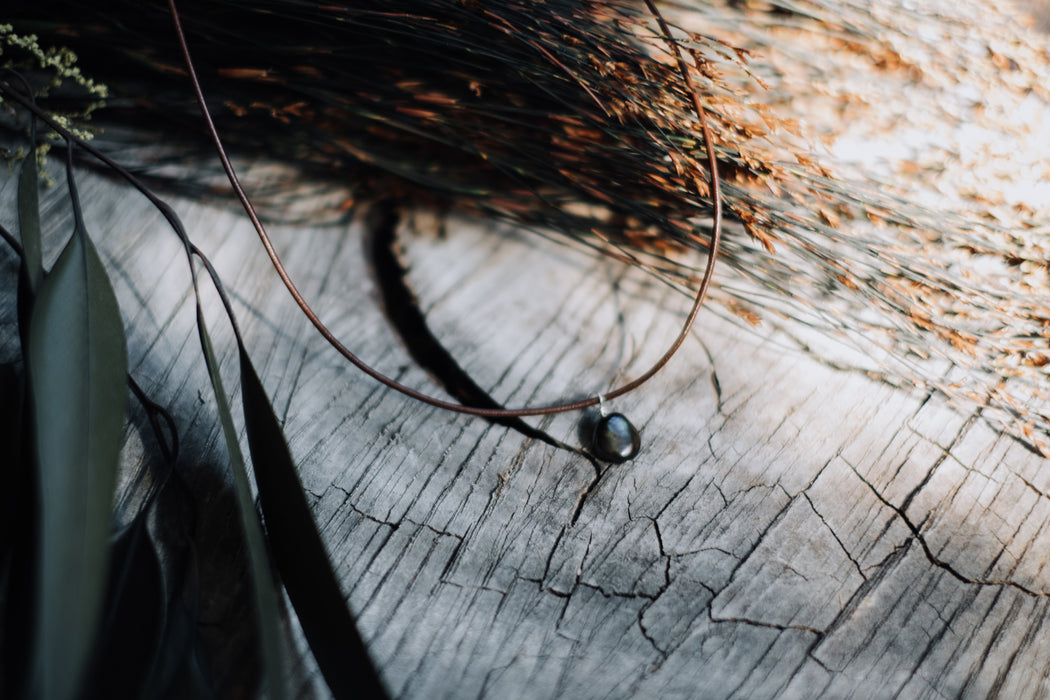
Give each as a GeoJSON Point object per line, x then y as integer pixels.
{"type": "Point", "coordinates": [615, 439]}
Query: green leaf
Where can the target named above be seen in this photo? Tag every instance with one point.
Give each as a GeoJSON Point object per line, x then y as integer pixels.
{"type": "Point", "coordinates": [299, 552]}
{"type": "Point", "coordinates": [262, 581]}
{"type": "Point", "coordinates": [76, 361]}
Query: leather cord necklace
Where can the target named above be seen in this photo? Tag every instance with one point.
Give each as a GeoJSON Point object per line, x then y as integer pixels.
{"type": "Point", "coordinates": [614, 438]}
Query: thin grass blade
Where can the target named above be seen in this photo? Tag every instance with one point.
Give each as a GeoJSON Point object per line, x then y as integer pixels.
{"type": "Point", "coordinates": [299, 552]}
{"type": "Point", "coordinates": [262, 581]}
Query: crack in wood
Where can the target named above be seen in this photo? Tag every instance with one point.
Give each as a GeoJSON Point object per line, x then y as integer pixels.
{"type": "Point", "coordinates": [592, 486]}
{"type": "Point", "coordinates": [756, 623]}
{"type": "Point", "coordinates": [1034, 631]}
{"type": "Point", "coordinates": [629, 595]}
{"type": "Point", "coordinates": [881, 570]}
{"type": "Point", "coordinates": [916, 531]}
{"type": "Point", "coordinates": [396, 524]}
{"type": "Point", "coordinates": [551, 553]}
{"type": "Point", "coordinates": [664, 653]}
{"type": "Point", "coordinates": [834, 535]}
{"type": "Point", "coordinates": [1033, 487]}
{"type": "Point", "coordinates": [945, 453]}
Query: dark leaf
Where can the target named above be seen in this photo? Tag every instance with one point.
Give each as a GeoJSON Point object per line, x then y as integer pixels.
{"type": "Point", "coordinates": [29, 220]}
{"type": "Point", "coordinates": [299, 552]}
{"type": "Point", "coordinates": [183, 675]}
{"type": "Point", "coordinates": [76, 362]}
{"type": "Point", "coordinates": [262, 580]}
{"type": "Point", "coordinates": [31, 271]}
{"type": "Point", "coordinates": [135, 616]}
{"type": "Point", "coordinates": [178, 671]}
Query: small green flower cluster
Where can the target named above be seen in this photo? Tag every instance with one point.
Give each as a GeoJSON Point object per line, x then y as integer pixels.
{"type": "Point", "coordinates": [48, 69]}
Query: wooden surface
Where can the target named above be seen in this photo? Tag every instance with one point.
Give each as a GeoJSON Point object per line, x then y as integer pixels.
{"type": "Point", "coordinates": [788, 530]}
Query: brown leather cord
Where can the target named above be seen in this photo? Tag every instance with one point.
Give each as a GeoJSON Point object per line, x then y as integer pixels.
{"type": "Point", "coordinates": [304, 306]}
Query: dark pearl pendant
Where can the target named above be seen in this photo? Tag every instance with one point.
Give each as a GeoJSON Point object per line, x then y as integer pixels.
{"type": "Point", "coordinates": [615, 439]}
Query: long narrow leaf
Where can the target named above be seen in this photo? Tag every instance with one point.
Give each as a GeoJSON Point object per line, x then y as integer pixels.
{"type": "Point", "coordinates": [262, 581]}
{"type": "Point", "coordinates": [29, 220]}
{"type": "Point", "coordinates": [76, 361]}
{"type": "Point", "coordinates": [299, 552]}
{"type": "Point", "coordinates": [31, 270]}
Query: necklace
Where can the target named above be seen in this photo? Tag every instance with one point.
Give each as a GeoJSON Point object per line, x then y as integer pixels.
{"type": "Point", "coordinates": [614, 438]}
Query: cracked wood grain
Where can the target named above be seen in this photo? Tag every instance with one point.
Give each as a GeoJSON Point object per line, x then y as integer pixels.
{"type": "Point", "coordinates": [789, 530]}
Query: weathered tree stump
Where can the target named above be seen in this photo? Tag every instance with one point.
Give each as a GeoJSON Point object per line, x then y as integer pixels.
{"type": "Point", "coordinates": [788, 529]}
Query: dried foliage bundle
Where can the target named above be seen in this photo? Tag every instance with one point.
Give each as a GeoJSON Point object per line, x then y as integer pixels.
{"type": "Point", "coordinates": [935, 119]}
{"type": "Point", "coordinates": [845, 130]}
